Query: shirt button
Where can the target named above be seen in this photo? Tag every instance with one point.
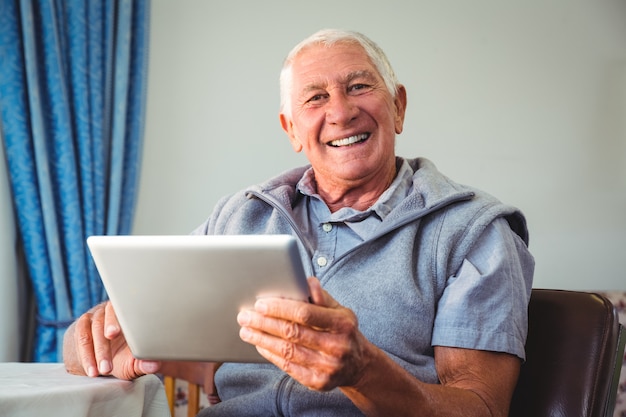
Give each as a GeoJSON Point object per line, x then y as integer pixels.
{"type": "Point", "coordinates": [327, 227]}
{"type": "Point", "coordinates": [322, 261]}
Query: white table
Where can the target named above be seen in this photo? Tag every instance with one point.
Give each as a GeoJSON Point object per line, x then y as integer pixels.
{"type": "Point", "coordinates": [46, 389]}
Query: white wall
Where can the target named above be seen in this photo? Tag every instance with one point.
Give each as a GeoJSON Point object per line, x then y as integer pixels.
{"type": "Point", "coordinates": [526, 100]}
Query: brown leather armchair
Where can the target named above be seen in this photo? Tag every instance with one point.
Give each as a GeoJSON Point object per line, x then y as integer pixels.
{"type": "Point", "coordinates": [574, 354]}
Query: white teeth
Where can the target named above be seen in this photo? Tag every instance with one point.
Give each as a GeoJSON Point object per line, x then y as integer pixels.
{"type": "Point", "coordinates": [350, 140]}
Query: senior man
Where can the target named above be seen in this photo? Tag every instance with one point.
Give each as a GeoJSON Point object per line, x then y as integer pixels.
{"type": "Point", "coordinates": [419, 285]}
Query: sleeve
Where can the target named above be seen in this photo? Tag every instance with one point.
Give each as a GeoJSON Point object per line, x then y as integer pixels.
{"type": "Point", "coordinates": [485, 303]}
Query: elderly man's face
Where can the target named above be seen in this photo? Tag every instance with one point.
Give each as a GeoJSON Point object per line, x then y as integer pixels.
{"type": "Point", "coordinates": [342, 115]}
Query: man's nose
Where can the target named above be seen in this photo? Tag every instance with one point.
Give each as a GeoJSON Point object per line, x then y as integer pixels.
{"type": "Point", "coordinates": [340, 109]}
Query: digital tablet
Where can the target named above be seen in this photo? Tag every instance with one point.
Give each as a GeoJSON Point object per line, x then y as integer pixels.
{"type": "Point", "coordinates": [177, 297]}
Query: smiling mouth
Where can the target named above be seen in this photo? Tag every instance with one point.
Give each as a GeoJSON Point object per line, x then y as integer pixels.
{"type": "Point", "coordinates": [350, 140]}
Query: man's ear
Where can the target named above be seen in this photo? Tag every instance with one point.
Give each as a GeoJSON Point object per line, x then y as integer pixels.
{"type": "Point", "coordinates": [287, 126]}
{"type": "Point", "coordinates": [400, 103]}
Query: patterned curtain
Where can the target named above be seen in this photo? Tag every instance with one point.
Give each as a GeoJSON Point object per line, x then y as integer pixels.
{"type": "Point", "coordinates": [72, 101]}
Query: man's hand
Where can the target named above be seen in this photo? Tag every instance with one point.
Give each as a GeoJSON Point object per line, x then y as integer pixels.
{"type": "Point", "coordinates": [317, 344]}
{"type": "Point", "coordinates": [95, 345]}
{"type": "Point", "coordinates": [320, 346]}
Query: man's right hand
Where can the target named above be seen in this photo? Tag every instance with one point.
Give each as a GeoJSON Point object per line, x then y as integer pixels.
{"type": "Point", "coordinates": [95, 345]}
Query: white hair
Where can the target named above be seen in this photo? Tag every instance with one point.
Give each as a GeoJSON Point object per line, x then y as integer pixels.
{"type": "Point", "coordinates": [329, 37]}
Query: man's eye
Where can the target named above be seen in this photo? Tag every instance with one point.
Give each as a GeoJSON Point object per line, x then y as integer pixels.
{"type": "Point", "coordinates": [357, 87]}
{"type": "Point", "coordinates": [316, 97]}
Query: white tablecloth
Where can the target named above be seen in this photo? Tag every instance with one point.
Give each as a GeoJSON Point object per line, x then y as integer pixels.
{"type": "Point", "coordinates": [37, 389]}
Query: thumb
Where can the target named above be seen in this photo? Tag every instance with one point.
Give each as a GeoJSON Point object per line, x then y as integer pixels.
{"type": "Point", "coordinates": [319, 296]}
{"type": "Point", "coordinates": [147, 367]}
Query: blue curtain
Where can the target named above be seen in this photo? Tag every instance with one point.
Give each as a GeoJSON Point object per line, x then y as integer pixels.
{"type": "Point", "coordinates": [72, 104]}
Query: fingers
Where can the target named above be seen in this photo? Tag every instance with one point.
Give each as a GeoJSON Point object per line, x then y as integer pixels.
{"type": "Point", "coordinates": [318, 295]}
{"type": "Point", "coordinates": [311, 367]}
{"type": "Point", "coordinates": [322, 376]}
{"type": "Point", "coordinates": [112, 327]}
{"type": "Point", "coordinates": [125, 365]}
{"type": "Point", "coordinates": [325, 315]}
{"type": "Point", "coordinates": [318, 360]}
{"type": "Point", "coordinates": [95, 334]}
{"type": "Point", "coordinates": [98, 347]}
{"type": "Point", "coordinates": [260, 330]}
{"type": "Point", "coordinates": [101, 343]}
{"type": "Point", "coordinates": [318, 344]}
{"type": "Point", "coordinates": [300, 322]}
{"type": "Point", "coordinates": [84, 345]}
{"type": "Point", "coordinates": [285, 337]}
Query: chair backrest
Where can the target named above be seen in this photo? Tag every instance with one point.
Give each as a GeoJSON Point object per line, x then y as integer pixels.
{"type": "Point", "coordinates": [574, 353]}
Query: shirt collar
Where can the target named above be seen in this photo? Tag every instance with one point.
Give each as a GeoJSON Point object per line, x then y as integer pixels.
{"type": "Point", "coordinates": [389, 199]}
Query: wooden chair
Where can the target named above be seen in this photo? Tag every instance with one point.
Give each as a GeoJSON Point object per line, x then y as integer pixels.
{"type": "Point", "coordinates": [197, 375]}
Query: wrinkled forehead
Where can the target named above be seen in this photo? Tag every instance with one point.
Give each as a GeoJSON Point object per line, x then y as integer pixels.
{"type": "Point", "coordinates": [340, 61]}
